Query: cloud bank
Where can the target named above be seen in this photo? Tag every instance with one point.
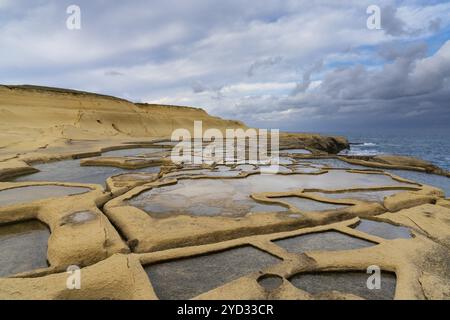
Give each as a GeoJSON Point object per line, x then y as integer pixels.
{"type": "Point", "coordinates": [293, 65]}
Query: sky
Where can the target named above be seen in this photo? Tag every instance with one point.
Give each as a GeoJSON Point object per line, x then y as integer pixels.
{"type": "Point", "coordinates": [293, 65]}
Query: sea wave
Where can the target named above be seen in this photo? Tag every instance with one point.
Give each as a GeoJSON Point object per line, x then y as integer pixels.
{"type": "Point", "coordinates": [369, 144]}
{"type": "Point", "coordinates": [359, 152]}
{"type": "Point", "coordinates": [366, 153]}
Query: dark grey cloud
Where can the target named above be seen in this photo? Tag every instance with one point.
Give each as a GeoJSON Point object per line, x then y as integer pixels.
{"type": "Point", "coordinates": [409, 74]}
{"type": "Point", "coordinates": [263, 64]}
{"type": "Point", "coordinates": [411, 89]}
{"type": "Point", "coordinates": [215, 92]}
{"type": "Point", "coordinates": [198, 87]}
{"type": "Point", "coordinates": [435, 25]}
{"type": "Point", "coordinates": [394, 25]}
{"type": "Point", "coordinates": [391, 23]}
{"type": "Point", "coordinates": [304, 85]}
{"type": "Point", "coordinates": [394, 50]}
{"type": "Point", "coordinates": [113, 73]}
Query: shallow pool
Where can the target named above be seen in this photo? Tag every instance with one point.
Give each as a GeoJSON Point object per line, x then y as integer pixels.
{"type": "Point", "coordinates": [383, 229]}
{"type": "Point", "coordinates": [32, 193]}
{"type": "Point", "coordinates": [322, 241]}
{"type": "Point", "coordinates": [23, 247]}
{"type": "Point", "coordinates": [187, 278]}
{"type": "Point", "coordinates": [71, 171]}
{"type": "Point", "coordinates": [352, 282]}
{"type": "Point", "coordinates": [232, 196]}
{"type": "Point", "coordinates": [435, 180]}
{"type": "Point", "coordinates": [305, 204]}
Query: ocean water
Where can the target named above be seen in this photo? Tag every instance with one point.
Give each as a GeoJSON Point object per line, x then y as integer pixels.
{"type": "Point", "coordinates": [433, 146]}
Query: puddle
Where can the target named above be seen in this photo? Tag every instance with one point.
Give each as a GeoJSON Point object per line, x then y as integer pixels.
{"type": "Point", "coordinates": [246, 167]}
{"type": "Point", "coordinates": [79, 217]}
{"type": "Point", "coordinates": [435, 180]}
{"type": "Point", "coordinates": [286, 160]}
{"type": "Point", "coordinates": [32, 193]}
{"type": "Point", "coordinates": [227, 171]}
{"type": "Point", "coordinates": [187, 278]}
{"type": "Point", "coordinates": [383, 229]}
{"type": "Point", "coordinates": [222, 168]}
{"type": "Point", "coordinates": [262, 207]}
{"type": "Point", "coordinates": [23, 247]}
{"type": "Point", "coordinates": [270, 282]}
{"type": "Point", "coordinates": [203, 172]}
{"type": "Point", "coordinates": [232, 196]}
{"type": "Point", "coordinates": [322, 241]}
{"type": "Point", "coordinates": [71, 171]}
{"type": "Point", "coordinates": [191, 172]}
{"type": "Point", "coordinates": [218, 171]}
{"type": "Point", "coordinates": [133, 152]}
{"type": "Point", "coordinates": [335, 163]}
{"type": "Point", "coordinates": [425, 178]}
{"type": "Point", "coordinates": [346, 282]}
{"type": "Point", "coordinates": [207, 203]}
{"type": "Point", "coordinates": [370, 196]}
{"type": "Point", "coordinates": [304, 204]}
{"type": "Point", "coordinates": [332, 180]}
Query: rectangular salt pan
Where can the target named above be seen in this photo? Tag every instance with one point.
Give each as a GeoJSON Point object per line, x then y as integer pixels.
{"type": "Point", "coordinates": [32, 193]}
{"type": "Point", "coordinates": [346, 282]}
{"type": "Point", "coordinates": [322, 241]}
{"type": "Point", "coordinates": [23, 247]}
{"type": "Point", "coordinates": [189, 277]}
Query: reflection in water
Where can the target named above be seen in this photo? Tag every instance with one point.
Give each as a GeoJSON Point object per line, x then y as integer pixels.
{"type": "Point", "coordinates": [435, 180]}
{"type": "Point", "coordinates": [232, 196]}
{"type": "Point", "coordinates": [296, 151]}
{"type": "Point", "coordinates": [132, 152]}
{"type": "Point", "coordinates": [346, 282]}
{"type": "Point", "coordinates": [23, 247]}
{"type": "Point", "coordinates": [71, 171]}
{"type": "Point", "coordinates": [305, 204]}
{"type": "Point", "coordinates": [33, 193]}
{"type": "Point", "coordinates": [371, 196]}
{"type": "Point", "coordinates": [187, 278]}
{"type": "Point", "coordinates": [322, 241]}
{"type": "Point", "coordinates": [383, 229]}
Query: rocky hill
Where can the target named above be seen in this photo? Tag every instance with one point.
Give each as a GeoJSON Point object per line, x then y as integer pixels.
{"type": "Point", "coordinates": [35, 117]}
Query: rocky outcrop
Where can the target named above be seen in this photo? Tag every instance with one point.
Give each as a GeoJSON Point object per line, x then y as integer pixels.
{"type": "Point", "coordinates": [314, 142]}
{"type": "Point", "coordinates": [38, 118]}
{"type": "Point", "coordinates": [31, 113]}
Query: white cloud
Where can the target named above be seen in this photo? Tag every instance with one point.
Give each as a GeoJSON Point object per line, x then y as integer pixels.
{"type": "Point", "coordinates": [234, 58]}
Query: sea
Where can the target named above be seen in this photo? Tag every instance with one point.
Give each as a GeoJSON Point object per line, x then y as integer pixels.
{"type": "Point", "coordinates": [432, 145]}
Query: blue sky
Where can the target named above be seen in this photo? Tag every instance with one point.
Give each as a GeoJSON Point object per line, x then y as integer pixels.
{"type": "Point", "coordinates": [294, 65]}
